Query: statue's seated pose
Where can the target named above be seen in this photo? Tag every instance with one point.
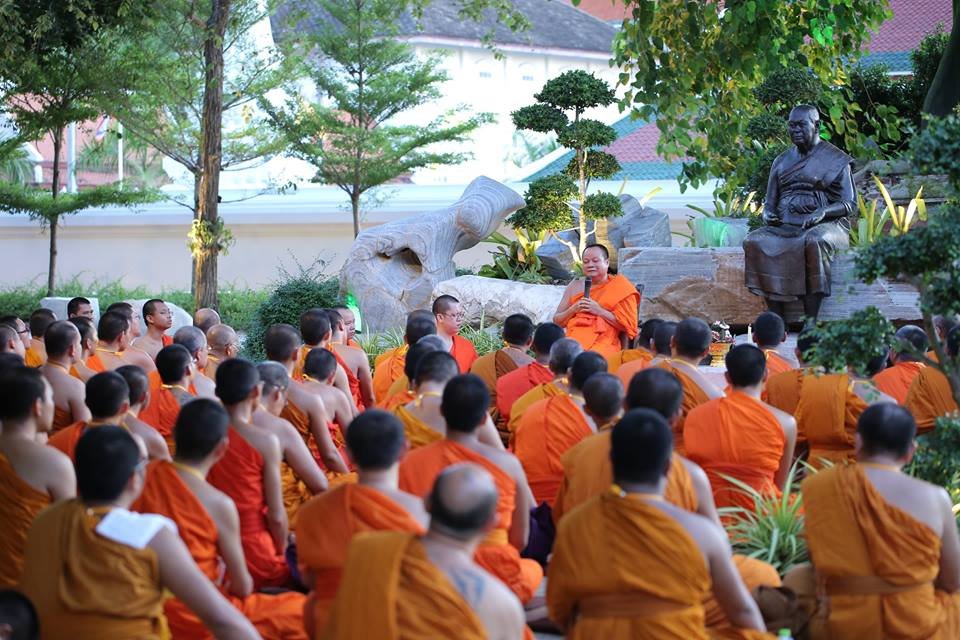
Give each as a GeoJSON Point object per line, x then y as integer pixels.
{"type": "Point", "coordinates": [809, 196]}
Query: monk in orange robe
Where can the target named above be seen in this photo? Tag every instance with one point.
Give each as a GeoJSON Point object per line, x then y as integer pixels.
{"type": "Point", "coordinates": [449, 316]}
{"type": "Point", "coordinates": [549, 428]}
{"type": "Point", "coordinates": [769, 332]}
{"type": "Point", "coordinates": [32, 475]}
{"type": "Point", "coordinates": [88, 347]}
{"type": "Point", "coordinates": [388, 366]}
{"type": "Point", "coordinates": [113, 341]}
{"type": "Point", "coordinates": [930, 397]}
{"type": "Point", "coordinates": [632, 361]}
{"type": "Point", "coordinates": [177, 370]}
{"type": "Point", "coordinates": [895, 381]}
{"type": "Point", "coordinates": [107, 397]}
{"type": "Point", "coordinates": [139, 396]}
{"type": "Point", "coordinates": [690, 344]}
{"type": "Point", "coordinates": [512, 385]}
{"type": "Point", "coordinates": [741, 437]}
{"type": "Point", "coordinates": [111, 567]}
{"type": "Point", "coordinates": [10, 341]}
{"type": "Point", "coordinates": [353, 360]}
{"type": "Point", "coordinates": [316, 333]}
{"type": "Point", "coordinates": [249, 473]}
{"type": "Point", "coordinates": [206, 522]}
{"type": "Point", "coordinates": [222, 344]}
{"type": "Point", "coordinates": [62, 342]}
{"type": "Point", "coordinates": [131, 354]}
{"type": "Point", "coordinates": [329, 521]}
{"type": "Point", "coordinates": [158, 319]}
{"type": "Point", "coordinates": [562, 354]}
{"type": "Point", "coordinates": [517, 336]}
{"type": "Point", "coordinates": [36, 353]}
{"type": "Point", "coordinates": [884, 546]}
{"type": "Point", "coordinates": [606, 318]}
{"type": "Point", "coordinates": [465, 402]}
{"type": "Point", "coordinates": [401, 391]}
{"type": "Point", "coordinates": [649, 564]}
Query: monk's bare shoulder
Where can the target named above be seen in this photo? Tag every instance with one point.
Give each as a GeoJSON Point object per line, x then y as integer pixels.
{"type": "Point", "coordinates": [219, 506]}
{"type": "Point", "coordinates": [697, 474]}
{"type": "Point", "coordinates": [787, 421]}
{"type": "Point", "coordinates": [708, 535]}
{"type": "Point", "coordinates": [490, 599]}
{"type": "Point", "coordinates": [53, 459]}
{"type": "Point", "coordinates": [412, 504]}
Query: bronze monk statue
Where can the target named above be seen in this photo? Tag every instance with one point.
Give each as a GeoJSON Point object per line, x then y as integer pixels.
{"type": "Point", "coordinates": [809, 196]}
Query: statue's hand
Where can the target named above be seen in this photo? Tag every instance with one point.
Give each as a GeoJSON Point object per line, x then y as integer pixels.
{"type": "Point", "coordinates": [815, 218]}
{"type": "Point", "coordinates": [771, 218]}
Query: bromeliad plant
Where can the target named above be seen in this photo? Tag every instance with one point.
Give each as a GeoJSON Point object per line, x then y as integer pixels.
{"type": "Point", "coordinates": [516, 259]}
{"type": "Point", "coordinates": [894, 220]}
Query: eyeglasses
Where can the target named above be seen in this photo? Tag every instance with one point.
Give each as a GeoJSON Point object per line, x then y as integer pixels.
{"type": "Point", "coordinates": [455, 316]}
{"type": "Point", "coordinates": [24, 330]}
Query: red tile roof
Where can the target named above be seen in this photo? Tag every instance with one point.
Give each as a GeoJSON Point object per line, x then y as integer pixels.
{"type": "Point", "coordinates": [638, 146]}
{"type": "Point", "coordinates": [911, 21]}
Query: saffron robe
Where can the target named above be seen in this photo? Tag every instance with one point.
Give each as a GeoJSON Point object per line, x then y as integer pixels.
{"type": "Point", "coordinates": [20, 503]}
{"type": "Point", "coordinates": [33, 359]}
{"type": "Point", "coordinates": [632, 367]}
{"type": "Point", "coordinates": [852, 530]}
{"type": "Point", "coordinates": [418, 432]}
{"type": "Point", "coordinates": [352, 380]}
{"type": "Point", "coordinates": [776, 363]}
{"type": "Point", "coordinates": [464, 353]}
{"type": "Point", "coordinates": [617, 295]}
{"type": "Point", "coordinates": [491, 368]}
{"type": "Point", "coordinates": [693, 396]}
{"type": "Point", "coordinates": [617, 360]}
{"type": "Point", "coordinates": [62, 418]}
{"type": "Point", "coordinates": [95, 363]}
{"type": "Point", "coordinates": [239, 474]}
{"type": "Point", "coordinates": [85, 586]}
{"type": "Point", "coordinates": [515, 384]}
{"type": "Point", "coordinates": [401, 594]}
{"type": "Point", "coordinates": [387, 367]}
{"type": "Point", "coordinates": [524, 402]}
{"type": "Point", "coordinates": [161, 414]}
{"type": "Point", "coordinates": [398, 400]}
{"type": "Point", "coordinates": [274, 616]}
{"type": "Point", "coordinates": [301, 422]}
{"type": "Point", "coordinates": [327, 525]}
{"type": "Point", "coordinates": [67, 438]}
{"type": "Point", "coordinates": [929, 398]}
{"type": "Point", "coordinates": [736, 436]}
{"type": "Point", "coordinates": [544, 434]}
{"type": "Point", "coordinates": [895, 381]}
{"type": "Point", "coordinates": [420, 468]}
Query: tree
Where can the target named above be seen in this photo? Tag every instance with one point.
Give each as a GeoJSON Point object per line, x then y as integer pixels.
{"type": "Point", "coordinates": [58, 59]}
{"type": "Point", "coordinates": [944, 93]}
{"type": "Point", "coordinates": [364, 80]}
{"type": "Point", "coordinates": [548, 198]}
{"type": "Point", "coordinates": [694, 65]}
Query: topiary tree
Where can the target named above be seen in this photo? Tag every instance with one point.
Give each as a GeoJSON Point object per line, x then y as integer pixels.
{"type": "Point", "coordinates": [559, 109]}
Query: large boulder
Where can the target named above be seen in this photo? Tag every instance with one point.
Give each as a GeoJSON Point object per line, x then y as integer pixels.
{"type": "Point", "coordinates": [58, 305]}
{"type": "Point", "coordinates": [491, 300]}
{"type": "Point", "coordinates": [394, 268]}
{"type": "Point", "coordinates": [708, 284]}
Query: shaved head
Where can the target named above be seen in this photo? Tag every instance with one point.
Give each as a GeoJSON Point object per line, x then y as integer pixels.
{"type": "Point", "coordinates": [692, 338]}
{"type": "Point", "coordinates": [59, 337]}
{"type": "Point", "coordinates": [562, 354]}
{"type": "Point", "coordinates": [420, 323]}
{"type": "Point", "coordinates": [40, 319]}
{"type": "Point", "coordinates": [220, 336]}
{"type": "Point", "coordinates": [206, 318]}
{"type": "Point", "coordinates": [463, 501]}
{"type": "Point", "coordinates": [585, 366]}
{"type": "Point", "coordinates": [416, 353]}
{"type": "Point", "coordinates": [281, 342]}
{"type": "Point", "coordinates": [603, 395]}
{"type": "Point", "coordinates": [190, 337]}
{"type": "Point", "coordinates": [10, 341]}
{"type": "Point", "coordinates": [909, 339]}
{"type": "Point", "coordinates": [436, 366]}
{"type": "Point", "coordinates": [662, 336]}
{"type": "Point", "coordinates": [944, 324]}
{"type": "Point", "coordinates": [647, 332]}
{"type": "Point", "coordinates": [657, 389]}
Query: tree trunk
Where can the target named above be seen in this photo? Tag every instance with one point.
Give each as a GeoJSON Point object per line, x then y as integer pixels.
{"type": "Point", "coordinates": [55, 220]}
{"type": "Point", "coordinates": [205, 276]}
{"type": "Point", "coordinates": [196, 211]}
{"type": "Point", "coordinates": [944, 92]}
{"type": "Point", "coordinates": [355, 204]}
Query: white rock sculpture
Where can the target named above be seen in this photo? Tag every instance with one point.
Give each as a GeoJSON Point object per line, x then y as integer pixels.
{"type": "Point", "coordinates": [58, 305]}
{"type": "Point", "coordinates": [493, 300]}
{"type": "Point", "coordinates": [394, 268]}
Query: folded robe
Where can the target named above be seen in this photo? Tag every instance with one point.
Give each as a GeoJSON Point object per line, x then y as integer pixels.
{"type": "Point", "coordinates": [464, 353]}
{"type": "Point", "coordinates": [387, 367]}
{"type": "Point", "coordinates": [491, 368]}
{"type": "Point", "coordinates": [19, 505]}
{"type": "Point", "coordinates": [274, 616]}
{"type": "Point", "coordinates": [418, 432]}
{"type": "Point", "coordinates": [536, 394]}
{"type": "Point", "coordinates": [633, 366]}
{"type": "Point", "coordinates": [929, 398]}
{"type": "Point", "coordinates": [776, 363]}
{"type": "Point", "coordinates": [895, 381]}
{"type": "Point", "coordinates": [516, 383]}
{"type": "Point", "coordinates": [693, 396]}
{"type": "Point", "coordinates": [327, 525]}
{"type": "Point", "coordinates": [162, 411]}
{"type": "Point", "coordinates": [620, 297]}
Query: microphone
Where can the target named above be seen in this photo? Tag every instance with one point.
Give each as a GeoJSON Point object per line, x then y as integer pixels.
{"type": "Point", "coordinates": [587, 283]}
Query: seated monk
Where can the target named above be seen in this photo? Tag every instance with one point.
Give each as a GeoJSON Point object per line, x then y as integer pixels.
{"type": "Point", "coordinates": [88, 347]}
{"type": "Point", "coordinates": [205, 319]}
{"type": "Point", "coordinates": [741, 437]}
{"type": "Point", "coordinates": [942, 326]}
{"type": "Point", "coordinates": [222, 344]}
{"type": "Point", "coordinates": [249, 472]}
{"type": "Point", "coordinates": [196, 343]}
{"type": "Point", "coordinates": [464, 407]}
{"type": "Point", "coordinates": [132, 354]}
{"type": "Point", "coordinates": [630, 362]}
{"type": "Point", "coordinates": [316, 333]}
{"type": "Point", "coordinates": [31, 475]}
{"type": "Point", "coordinates": [10, 342]}
{"type": "Point", "coordinates": [549, 427]}
{"type": "Point", "coordinates": [423, 422]}
{"type": "Point", "coordinates": [663, 342]}
{"type": "Point", "coordinates": [517, 336]}
{"type": "Point", "coordinates": [930, 395]}
{"type": "Point", "coordinates": [910, 344]}
{"type": "Point", "coordinates": [62, 342]}
{"type": "Point", "coordinates": [769, 332]}
{"type": "Point", "coordinates": [319, 370]}
{"type": "Point", "coordinates": [349, 325]}
{"type": "Point", "coordinates": [824, 405]}
{"type": "Point", "coordinates": [304, 410]}
{"type": "Point", "coordinates": [113, 566]}
{"type": "Point", "coordinates": [562, 354]}
{"type": "Point", "coordinates": [449, 315]}
{"type": "Point", "coordinates": [690, 344]}
{"type": "Point", "coordinates": [108, 398]}
{"type": "Point", "coordinates": [329, 521]}
{"type": "Point", "coordinates": [883, 545]}
{"type": "Point", "coordinates": [516, 383]}
{"type": "Point", "coordinates": [158, 318]}
{"type": "Point", "coordinates": [388, 366]}
{"type": "Point", "coordinates": [209, 525]}
{"type": "Point", "coordinates": [177, 369]}
{"type": "Point", "coordinates": [354, 362]}
{"type": "Point", "coordinates": [18, 325]}
{"type": "Point", "coordinates": [628, 564]}
{"type": "Point", "coordinates": [400, 395]}
{"type": "Point", "coordinates": [300, 474]}
{"type": "Point", "coordinates": [606, 318]}
{"type": "Point", "coordinates": [113, 341]}
{"type": "Point", "coordinates": [588, 473]}
{"type": "Point", "coordinates": [139, 386]}
{"type": "Point", "coordinates": [79, 307]}
{"type": "Point", "coordinates": [395, 577]}
{"type": "Point", "coordinates": [36, 353]}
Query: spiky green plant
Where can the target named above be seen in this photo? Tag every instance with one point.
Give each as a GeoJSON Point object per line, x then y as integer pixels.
{"type": "Point", "coordinates": [373, 344]}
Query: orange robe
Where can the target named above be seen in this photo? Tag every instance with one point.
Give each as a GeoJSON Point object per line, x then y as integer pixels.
{"type": "Point", "coordinates": [398, 400]}
{"type": "Point", "coordinates": [929, 398]}
{"type": "Point", "coordinates": [85, 586]}
{"type": "Point", "coordinates": [620, 297]}
{"type": "Point", "coordinates": [274, 616]}
{"type": "Point", "coordinates": [33, 359]}
{"type": "Point", "coordinates": [491, 368]}
{"type": "Point", "coordinates": [420, 468]}
{"type": "Point", "coordinates": [852, 531]}
{"type": "Point", "coordinates": [390, 590]}
{"type": "Point", "coordinates": [239, 474]}
{"type": "Point", "coordinates": [693, 396]}
{"type": "Point", "coordinates": [736, 436]}
{"type": "Point", "coordinates": [464, 353]}
{"type": "Point", "coordinates": [418, 432]}
{"type": "Point", "coordinates": [632, 367]}
{"type": "Point", "coordinates": [301, 422]}
{"type": "Point", "coordinates": [895, 381]}
{"type": "Point", "coordinates": [94, 362]}
{"type": "Point", "coordinates": [19, 505]}
{"type": "Point", "coordinates": [67, 438]}
{"type": "Point", "coordinates": [527, 400]}
{"type": "Point", "coordinates": [62, 418]}
{"type": "Point", "coordinates": [352, 380]}
{"type": "Point", "coordinates": [161, 414]}
{"type": "Point", "coordinates": [327, 525]}
{"type": "Point", "coordinates": [545, 432]}
{"type": "Point", "coordinates": [621, 358]}
{"type": "Point", "coordinates": [636, 552]}
{"type": "Point", "coordinates": [776, 363]}
{"type": "Point", "coordinates": [512, 386]}
{"type": "Point", "coordinates": [155, 383]}
{"type": "Point", "coordinates": [387, 367]}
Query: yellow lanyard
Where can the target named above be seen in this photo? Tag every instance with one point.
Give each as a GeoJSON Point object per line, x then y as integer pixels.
{"type": "Point", "coordinates": [175, 386]}
{"type": "Point", "coordinates": [196, 474]}
{"type": "Point", "coordinates": [426, 394]}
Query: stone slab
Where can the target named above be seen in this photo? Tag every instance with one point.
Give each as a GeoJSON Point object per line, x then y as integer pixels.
{"type": "Point", "coordinates": [492, 300]}
{"type": "Point", "coordinates": [58, 305]}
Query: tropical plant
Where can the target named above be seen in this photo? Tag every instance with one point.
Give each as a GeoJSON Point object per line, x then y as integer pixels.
{"type": "Point", "coordinates": [485, 339]}
{"type": "Point", "coordinates": [708, 229]}
{"type": "Point", "coordinates": [516, 259]}
{"type": "Point", "coordinates": [730, 206]}
{"type": "Point", "coordinates": [373, 344]}
{"type": "Point", "coordinates": [871, 226]}
{"type": "Point", "coordinates": [853, 342]}
{"type": "Point", "coordinates": [902, 218]}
